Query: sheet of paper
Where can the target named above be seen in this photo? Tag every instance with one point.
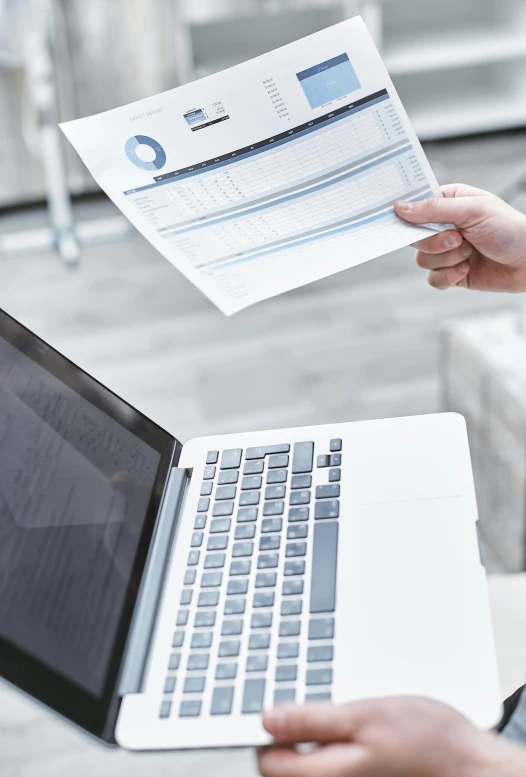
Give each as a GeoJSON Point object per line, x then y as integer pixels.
{"type": "Point", "coordinates": [269, 175]}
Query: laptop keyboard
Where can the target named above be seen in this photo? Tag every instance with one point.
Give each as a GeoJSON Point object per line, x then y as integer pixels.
{"type": "Point", "coordinates": [257, 524]}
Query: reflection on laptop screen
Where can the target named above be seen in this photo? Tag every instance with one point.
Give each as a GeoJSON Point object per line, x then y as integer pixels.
{"type": "Point", "coordinates": [74, 491]}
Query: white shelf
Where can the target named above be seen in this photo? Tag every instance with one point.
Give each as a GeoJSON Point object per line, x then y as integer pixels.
{"type": "Point", "coordinates": [437, 124]}
{"type": "Point", "coordinates": [429, 53]}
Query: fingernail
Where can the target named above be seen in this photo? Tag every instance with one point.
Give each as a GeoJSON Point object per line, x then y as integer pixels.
{"type": "Point", "coordinates": [404, 206]}
{"type": "Point", "coordinates": [276, 719]}
{"type": "Point", "coordinates": [451, 241]}
{"type": "Point", "coordinates": [463, 268]}
{"type": "Point", "coordinates": [465, 248]}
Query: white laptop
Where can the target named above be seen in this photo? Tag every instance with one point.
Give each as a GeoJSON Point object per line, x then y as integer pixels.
{"type": "Point", "coordinates": [161, 596]}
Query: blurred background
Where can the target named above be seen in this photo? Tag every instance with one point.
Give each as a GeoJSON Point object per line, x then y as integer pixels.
{"type": "Point", "coordinates": [371, 342]}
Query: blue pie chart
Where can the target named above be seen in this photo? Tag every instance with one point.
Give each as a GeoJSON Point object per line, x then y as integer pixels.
{"type": "Point", "coordinates": [132, 145]}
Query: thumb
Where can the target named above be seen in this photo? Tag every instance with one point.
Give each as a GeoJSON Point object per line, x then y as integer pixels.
{"type": "Point", "coordinates": [311, 723]}
{"type": "Point", "coordinates": [460, 211]}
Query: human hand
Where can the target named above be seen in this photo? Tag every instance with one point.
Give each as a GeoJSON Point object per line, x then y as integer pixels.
{"type": "Point", "coordinates": [487, 251]}
{"type": "Point", "coordinates": [405, 737]}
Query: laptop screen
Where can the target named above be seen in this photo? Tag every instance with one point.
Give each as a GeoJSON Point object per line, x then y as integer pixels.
{"type": "Point", "coordinates": [81, 475]}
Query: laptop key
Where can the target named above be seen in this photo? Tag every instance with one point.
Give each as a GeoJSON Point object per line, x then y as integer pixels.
{"type": "Point", "coordinates": [299, 497]}
{"type": "Point", "coordinates": [182, 618]}
{"type": "Point", "coordinates": [288, 649]}
{"type": "Point", "coordinates": [275, 492]}
{"type": "Point", "coordinates": [289, 628]}
{"type": "Point", "coordinates": [301, 481]}
{"type": "Point", "coordinates": [222, 700]}
{"type": "Point", "coordinates": [251, 482]}
{"type": "Point", "coordinates": [245, 532]}
{"type": "Point", "coordinates": [335, 445]}
{"type": "Point", "coordinates": [200, 522]}
{"type": "Point", "coordinates": [169, 684]}
{"type": "Point", "coordinates": [189, 577]}
{"type": "Point", "coordinates": [296, 549]}
{"type": "Point", "coordinates": [247, 514]}
{"type": "Point", "coordinates": [212, 457]}
{"type": "Point", "coordinates": [178, 639]}
{"type": "Point", "coordinates": [211, 579]}
{"type": "Point", "coordinates": [278, 461]}
{"type": "Point", "coordinates": [203, 619]}
{"type": "Point", "coordinates": [215, 560]}
{"type": "Point", "coordinates": [197, 539]}
{"type": "Point", "coordinates": [317, 697]}
{"type": "Point", "coordinates": [261, 620]}
{"type": "Point", "coordinates": [240, 568]}
{"type": "Point", "coordinates": [264, 599]}
{"type": "Point", "coordinates": [217, 542]}
{"type": "Point", "coordinates": [193, 558]}
{"type": "Point", "coordinates": [174, 661]}
{"type": "Point", "coordinates": [266, 579]}
{"type": "Point", "coordinates": [335, 474]}
{"type": "Point", "coordinates": [268, 561]}
{"type": "Point", "coordinates": [232, 628]}
{"type": "Point", "coordinates": [271, 525]}
{"type": "Point", "coordinates": [253, 696]}
{"type": "Point", "coordinates": [322, 461]}
{"type": "Point", "coordinates": [272, 542]}
{"type": "Point", "coordinates": [223, 508]}
{"type": "Point", "coordinates": [292, 587]}
{"type": "Point", "coordinates": [165, 710]}
{"type": "Point", "coordinates": [197, 662]}
{"type": "Point", "coordinates": [321, 628]}
{"type": "Point", "coordinates": [242, 549]}
{"type": "Point", "coordinates": [297, 532]}
{"type": "Point", "coordinates": [229, 649]}
{"type": "Point", "coordinates": [209, 473]}
{"type": "Point", "coordinates": [335, 460]}
{"type": "Point", "coordinates": [226, 492]}
{"type": "Point", "coordinates": [320, 653]}
{"type": "Point", "coordinates": [294, 568]}
{"type": "Point", "coordinates": [201, 640]}
{"type": "Point", "coordinates": [273, 508]}
{"type": "Point", "coordinates": [208, 599]}
{"type": "Point", "coordinates": [328, 509]}
{"type": "Point", "coordinates": [324, 566]}
{"type": "Point", "coordinates": [229, 476]}
{"type": "Point", "coordinates": [253, 468]}
{"type": "Point", "coordinates": [219, 526]}
{"type": "Point", "coordinates": [190, 709]}
{"type": "Point", "coordinates": [236, 587]}
{"type": "Point", "coordinates": [203, 504]}
{"type": "Point", "coordinates": [282, 695]}
{"type": "Point", "coordinates": [286, 673]}
{"type": "Point", "coordinates": [264, 450]}
{"type": "Point", "coordinates": [298, 514]}
{"type": "Point", "coordinates": [259, 641]}
{"type": "Point", "coordinates": [206, 488]}
{"type": "Point", "coordinates": [302, 457]}
{"type": "Point", "coordinates": [235, 606]}
{"type": "Point", "coordinates": [291, 607]}
{"type": "Point", "coordinates": [249, 498]}
{"type": "Point", "coordinates": [231, 458]}
{"type": "Point", "coordinates": [257, 663]}
{"type": "Point", "coordinates": [226, 671]}
{"type": "Point", "coordinates": [319, 676]}
{"type": "Point", "coordinates": [194, 685]}
{"type": "Point", "coordinates": [328, 492]}
{"type": "Point", "coordinates": [186, 596]}
{"type": "Point", "coordinates": [277, 476]}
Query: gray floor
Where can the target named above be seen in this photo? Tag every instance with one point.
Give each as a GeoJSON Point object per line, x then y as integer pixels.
{"type": "Point", "coordinates": [363, 344]}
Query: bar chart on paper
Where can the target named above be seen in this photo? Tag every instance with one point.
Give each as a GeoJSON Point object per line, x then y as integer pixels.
{"type": "Point", "coordinates": [323, 180]}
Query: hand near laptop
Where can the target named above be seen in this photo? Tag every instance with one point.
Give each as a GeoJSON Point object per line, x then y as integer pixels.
{"type": "Point", "coordinates": [405, 737]}
{"type": "Point", "coordinates": [487, 251]}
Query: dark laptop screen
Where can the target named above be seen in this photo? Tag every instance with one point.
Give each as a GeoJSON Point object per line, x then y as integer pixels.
{"type": "Point", "coordinates": [76, 484]}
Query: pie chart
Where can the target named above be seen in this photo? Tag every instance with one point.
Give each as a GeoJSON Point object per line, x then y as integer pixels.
{"type": "Point", "coordinates": [149, 145]}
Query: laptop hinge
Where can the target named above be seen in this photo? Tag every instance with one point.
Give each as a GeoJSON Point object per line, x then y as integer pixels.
{"type": "Point", "coordinates": [145, 613]}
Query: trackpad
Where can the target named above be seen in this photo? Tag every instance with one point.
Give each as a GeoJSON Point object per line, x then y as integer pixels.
{"type": "Point", "coordinates": [420, 616]}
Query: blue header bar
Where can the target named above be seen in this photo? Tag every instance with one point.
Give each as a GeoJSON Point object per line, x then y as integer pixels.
{"type": "Point", "coordinates": [313, 71]}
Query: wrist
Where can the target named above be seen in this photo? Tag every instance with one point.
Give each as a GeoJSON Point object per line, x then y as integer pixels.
{"type": "Point", "coordinates": [495, 757]}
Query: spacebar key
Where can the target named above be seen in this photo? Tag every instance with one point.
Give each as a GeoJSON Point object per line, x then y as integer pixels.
{"type": "Point", "coordinates": [324, 559]}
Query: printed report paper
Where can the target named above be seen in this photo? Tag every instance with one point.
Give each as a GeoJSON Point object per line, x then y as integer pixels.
{"type": "Point", "coordinates": [269, 175]}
